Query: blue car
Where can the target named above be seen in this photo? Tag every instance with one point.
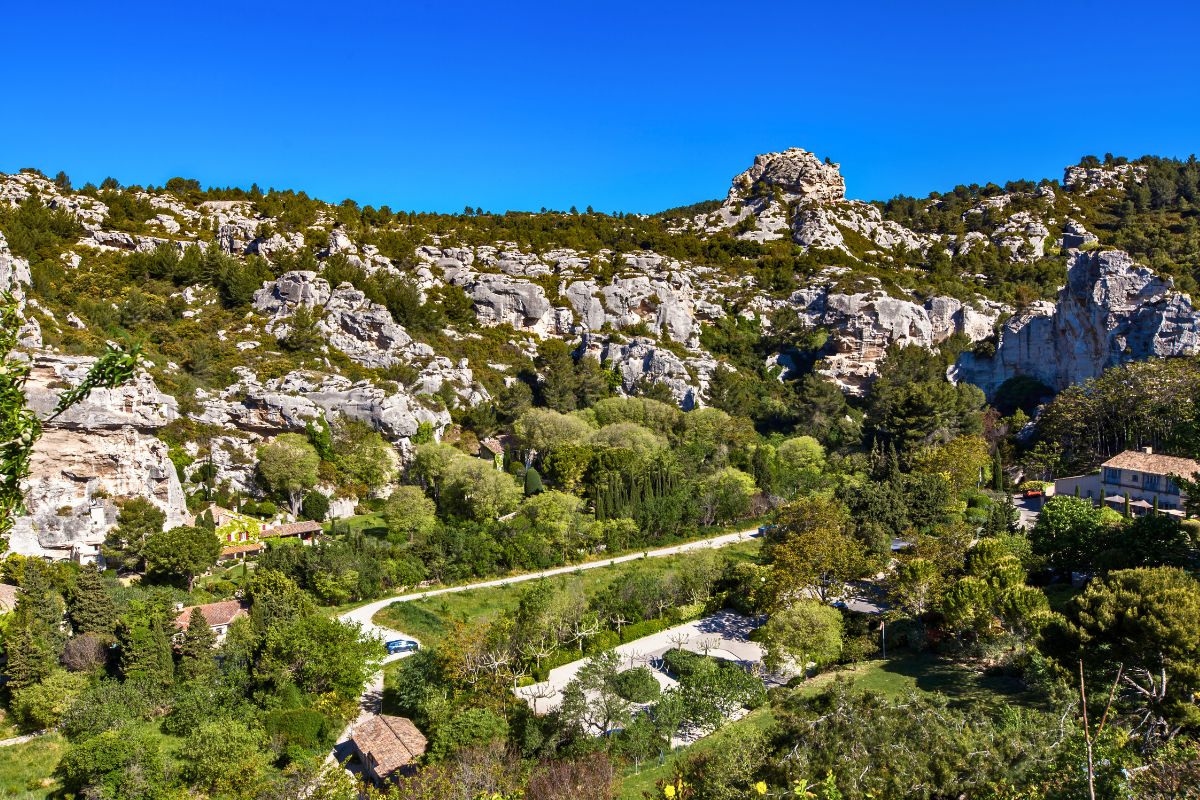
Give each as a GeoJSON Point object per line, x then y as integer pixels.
{"type": "Point", "coordinates": [401, 646]}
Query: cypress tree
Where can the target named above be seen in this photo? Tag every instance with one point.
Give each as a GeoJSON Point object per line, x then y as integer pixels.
{"type": "Point", "coordinates": [533, 482]}
{"type": "Point", "coordinates": [90, 608]}
{"type": "Point", "coordinates": [146, 653]}
{"type": "Point", "coordinates": [196, 647]}
{"type": "Point", "coordinates": [35, 638]}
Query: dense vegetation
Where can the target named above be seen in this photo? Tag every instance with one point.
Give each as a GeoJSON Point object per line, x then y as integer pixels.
{"type": "Point", "coordinates": [898, 503]}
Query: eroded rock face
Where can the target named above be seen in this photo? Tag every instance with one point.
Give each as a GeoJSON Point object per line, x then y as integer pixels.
{"type": "Point", "coordinates": [863, 325]}
{"type": "Point", "coordinates": [363, 330]}
{"type": "Point", "coordinates": [641, 361]}
{"type": "Point", "coordinates": [96, 453]}
{"type": "Point", "coordinates": [14, 279]}
{"type": "Point", "coordinates": [1111, 311]}
{"type": "Point", "coordinates": [289, 403]}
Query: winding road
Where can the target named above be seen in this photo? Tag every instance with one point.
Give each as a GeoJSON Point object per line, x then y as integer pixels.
{"type": "Point", "coordinates": [364, 615]}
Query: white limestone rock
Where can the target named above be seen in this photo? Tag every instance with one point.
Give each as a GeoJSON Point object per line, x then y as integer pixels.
{"type": "Point", "coordinates": [1111, 311]}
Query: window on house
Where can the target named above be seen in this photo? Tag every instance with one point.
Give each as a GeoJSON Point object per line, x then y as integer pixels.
{"type": "Point", "coordinates": [1112, 475]}
{"type": "Point", "coordinates": [1150, 482]}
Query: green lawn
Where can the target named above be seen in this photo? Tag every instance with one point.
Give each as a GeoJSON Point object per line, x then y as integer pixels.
{"type": "Point", "coordinates": [26, 769]}
{"type": "Point", "coordinates": [894, 677]}
{"type": "Point", "coordinates": [430, 619]}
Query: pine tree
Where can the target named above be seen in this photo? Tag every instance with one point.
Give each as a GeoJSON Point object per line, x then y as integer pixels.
{"type": "Point", "coordinates": [196, 647]}
{"type": "Point", "coordinates": [90, 608]}
{"type": "Point", "coordinates": [146, 653]}
{"type": "Point", "coordinates": [35, 637]}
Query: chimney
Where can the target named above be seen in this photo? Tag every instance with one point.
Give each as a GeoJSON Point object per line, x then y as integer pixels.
{"type": "Point", "coordinates": [1148, 451]}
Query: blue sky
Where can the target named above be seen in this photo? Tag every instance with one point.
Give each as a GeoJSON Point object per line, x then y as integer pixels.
{"type": "Point", "coordinates": [634, 106]}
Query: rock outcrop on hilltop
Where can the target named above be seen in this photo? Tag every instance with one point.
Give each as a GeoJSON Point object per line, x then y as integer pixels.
{"type": "Point", "coordinates": [795, 194]}
{"type": "Point", "coordinates": [1110, 311]}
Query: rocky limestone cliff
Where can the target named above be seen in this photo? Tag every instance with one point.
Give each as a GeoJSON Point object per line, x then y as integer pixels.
{"type": "Point", "coordinates": [99, 451]}
{"type": "Point", "coordinates": [1110, 311]}
{"type": "Point", "coordinates": [863, 325]}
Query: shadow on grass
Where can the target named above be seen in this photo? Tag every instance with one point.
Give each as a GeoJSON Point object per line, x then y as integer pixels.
{"type": "Point", "coordinates": [960, 683]}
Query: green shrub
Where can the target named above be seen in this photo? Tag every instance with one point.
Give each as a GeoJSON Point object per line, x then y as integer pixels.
{"type": "Point", "coordinates": [302, 728]}
{"type": "Point", "coordinates": [681, 663]}
{"type": "Point", "coordinates": [636, 685]}
{"type": "Point", "coordinates": [315, 507]}
{"type": "Point", "coordinates": [644, 628]}
{"type": "Point", "coordinates": [44, 704]}
{"type": "Point", "coordinates": [604, 640]}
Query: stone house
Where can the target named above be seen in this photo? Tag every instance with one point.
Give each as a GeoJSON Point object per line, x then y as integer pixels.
{"type": "Point", "coordinates": [387, 745]}
{"type": "Point", "coordinates": [1141, 475]}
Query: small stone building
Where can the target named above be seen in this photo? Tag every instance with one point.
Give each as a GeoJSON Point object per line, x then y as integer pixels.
{"type": "Point", "coordinates": [387, 745]}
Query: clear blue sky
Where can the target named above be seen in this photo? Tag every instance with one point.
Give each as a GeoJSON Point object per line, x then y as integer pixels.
{"type": "Point", "coordinates": [633, 106]}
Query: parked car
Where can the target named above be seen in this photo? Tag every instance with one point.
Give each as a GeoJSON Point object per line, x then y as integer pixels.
{"type": "Point", "coordinates": [402, 646]}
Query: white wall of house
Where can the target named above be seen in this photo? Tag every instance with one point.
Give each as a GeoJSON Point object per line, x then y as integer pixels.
{"type": "Point", "coordinates": [1085, 487]}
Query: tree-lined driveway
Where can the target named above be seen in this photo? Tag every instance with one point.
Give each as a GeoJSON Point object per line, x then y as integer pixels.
{"type": "Point", "coordinates": [364, 615]}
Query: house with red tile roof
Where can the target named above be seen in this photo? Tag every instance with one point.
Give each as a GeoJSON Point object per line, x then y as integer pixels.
{"type": "Point", "coordinates": [219, 616]}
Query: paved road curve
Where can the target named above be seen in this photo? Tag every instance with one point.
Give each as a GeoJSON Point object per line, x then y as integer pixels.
{"type": "Point", "coordinates": [364, 614]}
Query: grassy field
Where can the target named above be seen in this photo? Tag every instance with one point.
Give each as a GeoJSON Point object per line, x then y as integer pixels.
{"type": "Point", "coordinates": [894, 677]}
{"type": "Point", "coordinates": [430, 619]}
{"type": "Point", "coordinates": [26, 769]}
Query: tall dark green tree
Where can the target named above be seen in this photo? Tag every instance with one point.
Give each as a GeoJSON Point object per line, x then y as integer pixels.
{"type": "Point", "coordinates": [35, 636]}
{"type": "Point", "coordinates": [146, 653]}
{"type": "Point", "coordinates": [196, 647]}
{"type": "Point", "coordinates": [89, 606]}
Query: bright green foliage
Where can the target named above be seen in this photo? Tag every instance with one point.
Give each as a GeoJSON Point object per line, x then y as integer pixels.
{"type": "Point", "coordinates": [806, 631]}
{"type": "Point", "coordinates": [364, 459]}
{"type": "Point", "coordinates": [181, 553]}
{"type": "Point", "coordinates": [724, 495]}
{"type": "Point", "coordinates": [119, 764]}
{"type": "Point", "coordinates": [288, 465]}
{"type": "Point", "coordinates": [410, 515]}
{"type": "Point", "coordinates": [470, 728]}
{"type": "Point", "coordinates": [224, 758]}
{"type": "Point", "coordinates": [42, 705]}
{"type": "Point", "coordinates": [319, 655]}
{"type": "Point", "coordinates": [544, 430]}
{"type": "Point", "coordinates": [1068, 532]}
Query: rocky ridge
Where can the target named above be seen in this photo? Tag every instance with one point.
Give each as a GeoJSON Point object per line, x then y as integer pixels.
{"type": "Point", "coordinates": [640, 313]}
